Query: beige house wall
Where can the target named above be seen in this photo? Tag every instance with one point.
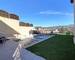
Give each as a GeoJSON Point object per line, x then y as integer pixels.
{"type": "Point", "coordinates": [9, 26]}
{"type": "Point", "coordinates": [24, 31]}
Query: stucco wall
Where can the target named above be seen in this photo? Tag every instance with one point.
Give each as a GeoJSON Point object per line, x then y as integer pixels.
{"type": "Point", "coordinates": [24, 31]}
{"type": "Point", "coordinates": [9, 26]}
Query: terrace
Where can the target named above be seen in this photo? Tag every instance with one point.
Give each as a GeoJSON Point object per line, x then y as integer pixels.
{"type": "Point", "coordinates": [59, 47]}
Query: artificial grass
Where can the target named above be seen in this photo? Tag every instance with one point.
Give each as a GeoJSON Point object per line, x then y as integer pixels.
{"type": "Point", "coordinates": [59, 47]}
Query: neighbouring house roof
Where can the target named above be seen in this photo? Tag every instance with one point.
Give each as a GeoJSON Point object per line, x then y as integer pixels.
{"type": "Point", "coordinates": [3, 13]}
{"type": "Point", "coordinates": [25, 24]}
{"type": "Point", "coordinates": [8, 15]}
{"type": "Point", "coordinates": [13, 16]}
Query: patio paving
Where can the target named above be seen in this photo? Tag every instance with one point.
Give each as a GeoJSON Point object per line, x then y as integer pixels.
{"type": "Point", "coordinates": [7, 49]}
{"type": "Point", "coordinates": [27, 55]}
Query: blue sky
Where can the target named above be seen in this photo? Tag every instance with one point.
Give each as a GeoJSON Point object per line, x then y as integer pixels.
{"type": "Point", "coordinates": [41, 12]}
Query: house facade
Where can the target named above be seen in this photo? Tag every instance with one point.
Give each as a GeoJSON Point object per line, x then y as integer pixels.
{"type": "Point", "coordinates": [10, 26]}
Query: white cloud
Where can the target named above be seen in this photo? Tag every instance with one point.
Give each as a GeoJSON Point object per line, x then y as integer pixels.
{"type": "Point", "coordinates": [56, 13]}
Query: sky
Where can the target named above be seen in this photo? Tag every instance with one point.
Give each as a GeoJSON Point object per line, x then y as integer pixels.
{"type": "Point", "coordinates": [41, 12]}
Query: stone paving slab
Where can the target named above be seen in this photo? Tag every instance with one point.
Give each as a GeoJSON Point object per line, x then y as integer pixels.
{"type": "Point", "coordinates": [7, 49]}
{"type": "Point", "coordinates": [27, 55]}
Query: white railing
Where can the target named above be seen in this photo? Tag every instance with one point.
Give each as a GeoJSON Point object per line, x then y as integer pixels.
{"type": "Point", "coordinates": [17, 53]}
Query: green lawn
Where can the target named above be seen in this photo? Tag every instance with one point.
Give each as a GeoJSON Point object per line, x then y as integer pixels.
{"type": "Point", "coordinates": [59, 47]}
